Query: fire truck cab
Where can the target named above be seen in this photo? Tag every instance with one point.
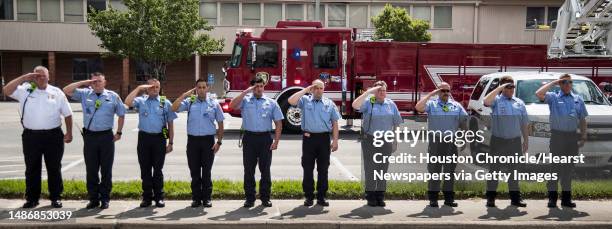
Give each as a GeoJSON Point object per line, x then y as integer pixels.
{"type": "Point", "coordinates": [289, 57]}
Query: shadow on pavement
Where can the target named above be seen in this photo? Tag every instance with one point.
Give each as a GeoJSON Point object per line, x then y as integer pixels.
{"type": "Point", "coordinates": [562, 214]}
{"type": "Point", "coordinates": [187, 212]}
{"type": "Point", "coordinates": [241, 213]}
{"type": "Point", "coordinates": [366, 212]}
{"type": "Point", "coordinates": [502, 214]}
{"type": "Point", "coordinates": [303, 211]}
{"type": "Point", "coordinates": [430, 212]}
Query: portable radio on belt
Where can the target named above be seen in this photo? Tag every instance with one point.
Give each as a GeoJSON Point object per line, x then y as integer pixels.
{"type": "Point", "coordinates": [162, 104]}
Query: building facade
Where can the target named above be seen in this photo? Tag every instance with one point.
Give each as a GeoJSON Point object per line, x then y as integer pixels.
{"type": "Point", "coordinates": [54, 33]}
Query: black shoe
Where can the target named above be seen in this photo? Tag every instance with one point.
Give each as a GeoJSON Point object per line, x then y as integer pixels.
{"type": "Point", "coordinates": [451, 204]}
{"type": "Point", "coordinates": [249, 204]}
{"type": "Point", "coordinates": [196, 203]}
{"type": "Point", "coordinates": [518, 203]}
{"type": "Point", "coordinates": [30, 204]}
{"type": "Point", "coordinates": [552, 199]}
{"type": "Point", "coordinates": [372, 203]}
{"type": "Point", "coordinates": [92, 204]}
{"type": "Point", "coordinates": [56, 204]}
{"type": "Point", "coordinates": [491, 199]}
{"type": "Point", "coordinates": [104, 205]}
{"type": "Point", "coordinates": [433, 203]}
{"type": "Point", "coordinates": [160, 203]}
{"type": "Point", "coordinates": [381, 203]}
{"type": "Point", "coordinates": [566, 199]}
{"type": "Point", "coordinates": [207, 204]}
{"type": "Point", "coordinates": [266, 203]}
{"type": "Point", "coordinates": [145, 203]}
{"type": "Point", "coordinates": [308, 202]}
{"type": "Point", "coordinates": [322, 202]}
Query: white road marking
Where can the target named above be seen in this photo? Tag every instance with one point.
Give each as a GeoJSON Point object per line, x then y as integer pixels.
{"type": "Point", "coordinates": [73, 164]}
{"type": "Point", "coordinates": [12, 171]}
{"type": "Point", "coordinates": [343, 169]}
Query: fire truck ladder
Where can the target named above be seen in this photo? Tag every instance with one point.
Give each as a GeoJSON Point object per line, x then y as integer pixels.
{"type": "Point", "coordinates": [584, 29]}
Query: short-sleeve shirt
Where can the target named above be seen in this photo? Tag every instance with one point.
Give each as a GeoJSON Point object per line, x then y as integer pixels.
{"type": "Point", "coordinates": [44, 109]}
{"type": "Point", "coordinates": [152, 116]}
{"type": "Point", "coordinates": [202, 115]}
{"type": "Point", "coordinates": [508, 116]}
{"type": "Point", "coordinates": [100, 118]}
{"type": "Point", "coordinates": [379, 116]}
{"type": "Point", "coordinates": [317, 114]}
{"type": "Point", "coordinates": [566, 110]}
{"type": "Point", "coordinates": [444, 116]}
{"type": "Point", "coordinates": [259, 113]}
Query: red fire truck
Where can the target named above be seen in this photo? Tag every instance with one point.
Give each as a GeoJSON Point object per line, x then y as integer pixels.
{"type": "Point", "coordinates": [293, 54]}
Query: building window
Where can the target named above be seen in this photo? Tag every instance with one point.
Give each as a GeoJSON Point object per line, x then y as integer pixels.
{"type": "Point", "coordinates": [535, 17]}
{"type": "Point", "coordinates": [266, 56]}
{"type": "Point", "coordinates": [208, 11]}
{"type": "Point", "coordinates": [118, 5]}
{"type": "Point", "coordinates": [325, 56]}
{"type": "Point", "coordinates": [26, 10]}
{"type": "Point", "coordinates": [311, 13]}
{"type": "Point", "coordinates": [422, 12]}
{"type": "Point", "coordinates": [443, 17]}
{"type": "Point", "coordinates": [337, 15]}
{"type": "Point", "coordinates": [229, 13]}
{"type": "Point", "coordinates": [98, 5]}
{"type": "Point", "coordinates": [83, 67]}
{"type": "Point", "coordinates": [358, 16]}
{"type": "Point", "coordinates": [251, 14]}
{"type": "Point", "coordinates": [553, 13]}
{"type": "Point", "coordinates": [294, 12]}
{"type": "Point", "coordinates": [50, 10]}
{"type": "Point", "coordinates": [272, 14]}
{"type": "Point", "coordinates": [73, 10]}
{"type": "Point", "coordinates": [6, 9]}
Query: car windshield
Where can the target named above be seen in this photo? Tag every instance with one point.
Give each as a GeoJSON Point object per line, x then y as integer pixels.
{"type": "Point", "coordinates": [236, 55]}
{"type": "Point", "coordinates": [526, 89]}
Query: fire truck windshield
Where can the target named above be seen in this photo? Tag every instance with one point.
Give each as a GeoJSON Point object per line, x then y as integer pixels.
{"type": "Point", "coordinates": [236, 55]}
{"type": "Point", "coordinates": [525, 90]}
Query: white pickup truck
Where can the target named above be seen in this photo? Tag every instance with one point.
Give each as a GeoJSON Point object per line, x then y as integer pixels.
{"type": "Point", "coordinates": [598, 148]}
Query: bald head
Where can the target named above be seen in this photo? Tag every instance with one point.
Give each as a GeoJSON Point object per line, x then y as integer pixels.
{"type": "Point", "coordinates": [444, 91]}
{"type": "Point", "coordinates": [444, 85]}
{"type": "Point", "coordinates": [42, 78]}
{"type": "Point", "coordinates": [318, 88]}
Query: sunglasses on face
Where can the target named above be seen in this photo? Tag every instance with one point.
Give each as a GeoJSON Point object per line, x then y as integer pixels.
{"type": "Point", "coordinates": [445, 91]}
{"type": "Point", "coordinates": [511, 86]}
{"type": "Point", "coordinates": [567, 82]}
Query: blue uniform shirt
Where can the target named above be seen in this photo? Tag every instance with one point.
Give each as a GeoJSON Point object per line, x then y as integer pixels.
{"type": "Point", "coordinates": [317, 115]}
{"type": "Point", "coordinates": [259, 113]}
{"type": "Point", "coordinates": [109, 104]}
{"type": "Point", "coordinates": [444, 116]}
{"type": "Point", "coordinates": [379, 116]}
{"type": "Point", "coordinates": [151, 115]}
{"type": "Point", "coordinates": [508, 116]}
{"type": "Point", "coordinates": [202, 116]}
{"type": "Point", "coordinates": [566, 110]}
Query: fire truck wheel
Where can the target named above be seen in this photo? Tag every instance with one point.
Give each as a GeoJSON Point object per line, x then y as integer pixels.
{"type": "Point", "coordinates": [293, 118]}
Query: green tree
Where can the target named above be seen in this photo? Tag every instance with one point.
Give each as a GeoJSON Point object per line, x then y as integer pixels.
{"type": "Point", "coordinates": [156, 32]}
{"type": "Point", "coordinates": [395, 23]}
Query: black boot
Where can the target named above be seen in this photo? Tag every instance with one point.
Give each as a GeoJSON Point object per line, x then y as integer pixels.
{"type": "Point", "coordinates": [552, 199]}
{"type": "Point", "coordinates": [433, 199]}
{"type": "Point", "coordinates": [566, 199]}
{"type": "Point", "coordinates": [491, 198]}
{"type": "Point", "coordinates": [380, 199]}
{"type": "Point", "coordinates": [449, 199]}
{"type": "Point", "coordinates": [515, 199]}
{"type": "Point", "coordinates": [371, 198]}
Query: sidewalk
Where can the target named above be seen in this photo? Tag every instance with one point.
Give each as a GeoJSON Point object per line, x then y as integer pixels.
{"type": "Point", "coordinates": [341, 214]}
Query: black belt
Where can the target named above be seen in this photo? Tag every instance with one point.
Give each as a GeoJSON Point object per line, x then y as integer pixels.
{"type": "Point", "coordinates": [204, 136]}
{"type": "Point", "coordinates": [317, 134]}
{"type": "Point", "coordinates": [258, 133]}
{"type": "Point", "coordinates": [565, 133]}
{"type": "Point", "coordinates": [151, 134]}
{"type": "Point", "coordinates": [90, 132]}
{"type": "Point", "coordinates": [43, 131]}
{"type": "Point", "coordinates": [508, 139]}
